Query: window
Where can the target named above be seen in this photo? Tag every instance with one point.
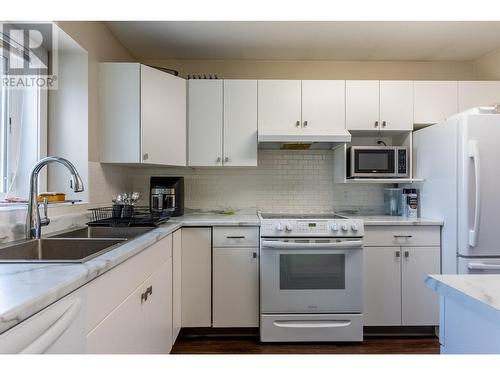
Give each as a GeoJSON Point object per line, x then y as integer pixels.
{"type": "Point", "coordinates": [22, 128]}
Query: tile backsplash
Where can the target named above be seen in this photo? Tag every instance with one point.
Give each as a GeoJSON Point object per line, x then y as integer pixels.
{"type": "Point", "coordinates": [283, 181]}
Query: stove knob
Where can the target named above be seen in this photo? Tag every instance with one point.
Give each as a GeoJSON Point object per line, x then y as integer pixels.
{"type": "Point", "coordinates": [279, 227]}
{"type": "Point", "coordinates": [288, 227]}
{"type": "Point", "coordinates": [334, 227]}
{"type": "Point", "coordinates": [354, 227]}
{"type": "Point", "coordinates": [344, 227]}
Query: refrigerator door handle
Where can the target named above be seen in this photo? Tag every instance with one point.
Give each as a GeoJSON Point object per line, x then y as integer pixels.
{"type": "Point", "coordinates": [474, 155]}
{"type": "Point", "coordinates": [483, 266]}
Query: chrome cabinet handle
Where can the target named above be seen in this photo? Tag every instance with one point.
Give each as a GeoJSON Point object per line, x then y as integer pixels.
{"type": "Point", "coordinates": [235, 237]}
{"type": "Point", "coordinates": [254, 255]}
{"type": "Point", "coordinates": [218, 160]}
{"type": "Point", "coordinates": [148, 292]}
{"type": "Point", "coordinates": [403, 236]}
{"type": "Point", "coordinates": [376, 124]}
{"type": "Point", "coordinates": [305, 124]}
{"type": "Point", "coordinates": [407, 254]}
{"type": "Point", "coordinates": [226, 159]}
{"type": "Point", "coordinates": [297, 124]}
{"type": "Point", "coordinates": [145, 156]}
{"type": "Point", "coordinates": [397, 254]}
{"type": "Point", "coordinates": [384, 124]}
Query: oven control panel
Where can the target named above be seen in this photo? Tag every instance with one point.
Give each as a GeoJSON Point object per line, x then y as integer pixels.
{"type": "Point", "coordinates": [308, 228]}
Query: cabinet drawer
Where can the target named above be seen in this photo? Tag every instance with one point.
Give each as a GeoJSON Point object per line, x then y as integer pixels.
{"type": "Point", "coordinates": [106, 292]}
{"type": "Point", "coordinates": [402, 236]}
{"type": "Point", "coordinates": [236, 237]}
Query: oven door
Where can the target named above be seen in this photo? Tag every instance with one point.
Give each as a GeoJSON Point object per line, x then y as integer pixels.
{"type": "Point", "coordinates": [311, 275]}
{"type": "Point", "coordinates": [373, 162]}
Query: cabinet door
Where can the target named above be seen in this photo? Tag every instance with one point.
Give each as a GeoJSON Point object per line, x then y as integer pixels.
{"type": "Point", "coordinates": [196, 277]}
{"type": "Point", "coordinates": [396, 105]}
{"type": "Point", "coordinates": [477, 93]}
{"type": "Point", "coordinates": [279, 105]}
{"type": "Point", "coordinates": [163, 118]}
{"type": "Point", "coordinates": [236, 287]}
{"type": "Point", "coordinates": [119, 112]}
{"type": "Point", "coordinates": [205, 103]}
{"type": "Point", "coordinates": [240, 123]}
{"type": "Point", "coordinates": [323, 105]}
{"type": "Point", "coordinates": [362, 105]}
{"type": "Point", "coordinates": [420, 305]}
{"type": "Point", "coordinates": [382, 286]}
{"type": "Point", "coordinates": [122, 331]}
{"type": "Point", "coordinates": [434, 101]}
{"type": "Point", "coordinates": [177, 284]}
{"type": "Point", "coordinates": [158, 311]}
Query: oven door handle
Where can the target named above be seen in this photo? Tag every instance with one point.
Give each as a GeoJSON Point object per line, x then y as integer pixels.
{"type": "Point", "coordinates": [311, 323]}
{"type": "Point", "coordinates": [311, 245]}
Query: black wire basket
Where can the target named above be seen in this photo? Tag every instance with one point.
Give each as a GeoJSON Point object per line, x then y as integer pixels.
{"type": "Point", "coordinates": [127, 215]}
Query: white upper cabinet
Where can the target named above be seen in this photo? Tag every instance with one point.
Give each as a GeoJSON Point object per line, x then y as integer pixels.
{"type": "Point", "coordinates": [323, 105]}
{"type": "Point", "coordinates": [434, 101]}
{"type": "Point", "coordinates": [222, 123]}
{"type": "Point", "coordinates": [396, 105]}
{"type": "Point", "coordinates": [142, 115]}
{"type": "Point", "coordinates": [362, 105]}
{"type": "Point", "coordinates": [280, 105]}
{"type": "Point", "coordinates": [379, 105]}
{"type": "Point", "coordinates": [240, 123]}
{"type": "Point", "coordinates": [163, 117]}
{"type": "Point", "coordinates": [477, 93]}
{"type": "Point", "coordinates": [205, 116]}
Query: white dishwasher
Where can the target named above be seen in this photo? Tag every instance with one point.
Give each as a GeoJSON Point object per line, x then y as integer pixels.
{"type": "Point", "coordinates": [57, 329]}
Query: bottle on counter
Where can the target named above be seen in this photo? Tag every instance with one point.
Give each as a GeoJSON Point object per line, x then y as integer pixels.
{"type": "Point", "coordinates": [412, 204]}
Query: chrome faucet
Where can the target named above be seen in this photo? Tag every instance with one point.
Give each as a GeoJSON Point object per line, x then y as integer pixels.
{"type": "Point", "coordinates": [33, 221]}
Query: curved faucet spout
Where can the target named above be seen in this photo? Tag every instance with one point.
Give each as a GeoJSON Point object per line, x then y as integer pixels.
{"type": "Point", "coordinates": [33, 221]}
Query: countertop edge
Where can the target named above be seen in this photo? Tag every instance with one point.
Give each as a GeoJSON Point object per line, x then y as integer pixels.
{"type": "Point", "coordinates": [461, 297]}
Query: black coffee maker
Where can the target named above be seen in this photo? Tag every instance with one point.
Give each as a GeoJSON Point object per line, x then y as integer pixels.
{"type": "Point", "coordinates": [167, 194]}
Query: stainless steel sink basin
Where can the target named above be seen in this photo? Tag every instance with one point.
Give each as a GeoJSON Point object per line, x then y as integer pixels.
{"type": "Point", "coordinates": [56, 250]}
{"type": "Point", "coordinates": [103, 232]}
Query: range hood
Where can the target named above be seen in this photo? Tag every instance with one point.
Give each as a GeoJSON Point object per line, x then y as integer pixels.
{"type": "Point", "coordinates": [303, 140]}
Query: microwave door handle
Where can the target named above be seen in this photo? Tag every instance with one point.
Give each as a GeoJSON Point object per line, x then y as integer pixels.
{"type": "Point", "coordinates": [474, 155]}
{"type": "Point", "coordinates": [483, 266]}
{"type": "Point", "coordinates": [311, 245]}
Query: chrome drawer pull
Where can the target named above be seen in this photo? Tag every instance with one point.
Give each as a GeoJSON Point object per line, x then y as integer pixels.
{"type": "Point", "coordinates": [403, 236]}
{"type": "Point", "coordinates": [312, 323]}
{"type": "Point", "coordinates": [235, 237]}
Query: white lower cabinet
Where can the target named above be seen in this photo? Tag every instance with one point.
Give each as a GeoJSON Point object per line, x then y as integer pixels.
{"type": "Point", "coordinates": [394, 289]}
{"type": "Point", "coordinates": [141, 322]}
{"type": "Point", "coordinates": [420, 305]}
{"type": "Point", "coordinates": [236, 287]}
{"type": "Point", "coordinates": [196, 277]}
{"type": "Point", "coordinates": [382, 286]}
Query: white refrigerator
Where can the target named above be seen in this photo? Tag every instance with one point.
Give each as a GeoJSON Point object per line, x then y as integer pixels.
{"type": "Point", "coordinates": [460, 162]}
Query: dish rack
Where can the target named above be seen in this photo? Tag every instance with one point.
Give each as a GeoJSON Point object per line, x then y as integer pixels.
{"type": "Point", "coordinates": [127, 215]}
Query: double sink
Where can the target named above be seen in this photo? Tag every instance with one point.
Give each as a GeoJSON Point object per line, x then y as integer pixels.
{"type": "Point", "coordinates": [74, 246]}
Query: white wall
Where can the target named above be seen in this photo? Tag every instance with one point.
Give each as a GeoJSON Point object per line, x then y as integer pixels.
{"type": "Point", "coordinates": [283, 181]}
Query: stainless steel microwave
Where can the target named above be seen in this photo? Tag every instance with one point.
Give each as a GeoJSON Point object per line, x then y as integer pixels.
{"type": "Point", "coordinates": [377, 162]}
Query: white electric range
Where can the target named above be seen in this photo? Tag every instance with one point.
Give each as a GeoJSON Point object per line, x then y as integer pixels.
{"type": "Point", "coordinates": [311, 277]}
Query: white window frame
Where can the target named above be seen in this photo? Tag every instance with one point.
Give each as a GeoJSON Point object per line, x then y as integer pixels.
{"type": "Point", "coordinates": [42, 121]}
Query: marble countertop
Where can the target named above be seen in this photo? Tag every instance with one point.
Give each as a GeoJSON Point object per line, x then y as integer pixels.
{"type": "Point", "coordinates": [473, 290]}
{"type": "Point", "coordinates": [201, 218]}
{"type": "Point", "coordinates": [394, 220]}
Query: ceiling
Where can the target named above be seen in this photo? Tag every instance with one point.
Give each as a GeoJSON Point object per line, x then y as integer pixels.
{"type": "Point", "coordinates": [344, 41]}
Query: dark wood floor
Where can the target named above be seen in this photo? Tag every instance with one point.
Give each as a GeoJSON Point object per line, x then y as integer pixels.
{"type": "Point", "coordinates": [252, 345]}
